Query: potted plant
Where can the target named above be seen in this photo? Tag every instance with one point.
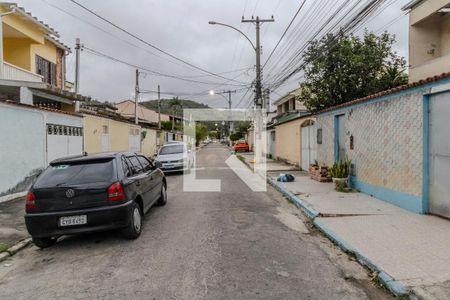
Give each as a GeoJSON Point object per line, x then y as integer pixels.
{"type": "Point", "coordinates": [340, 172]}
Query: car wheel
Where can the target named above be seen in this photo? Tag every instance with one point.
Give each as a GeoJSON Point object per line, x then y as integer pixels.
{"type": "Point", "coordinates": [134, 229]}
{"type": "Point", "coordinates": [163, 198]}
{"type": "Point", "coordinates": [44, 242]}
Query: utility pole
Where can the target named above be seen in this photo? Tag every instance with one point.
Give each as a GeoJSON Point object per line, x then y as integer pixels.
{"type": "Point", "coordinates": [230, 123]}
{"type": "Point", "coordinates": [159, 107]}
{"type": "Point", "coordinates": [136, 98]}
{"type": "Point", "coordinates": [258, 95]}
{"type": "Point", "coordinates": [77, 71]}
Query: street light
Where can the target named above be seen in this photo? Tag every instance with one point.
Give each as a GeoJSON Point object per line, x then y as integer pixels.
{"type": "Point", "coordinates": [259, 103]}
{"type": "Point", "coordinates": [234, 28]}
{"type": "Point", "coordinates": [257, 49]}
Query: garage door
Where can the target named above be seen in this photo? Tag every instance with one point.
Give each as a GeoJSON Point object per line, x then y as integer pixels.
{"type": "Point", "coordinates": [439, 154]}
{"type": "Point", "coordinates": [63, 141]}
{"type": "Point", "coordinates": [308, 145]}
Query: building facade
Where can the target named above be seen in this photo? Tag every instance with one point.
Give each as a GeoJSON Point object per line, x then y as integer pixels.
{"type": "Point", "coordinates": [294, 139]}
{"type": "Point", "coordinates": [127, 108]}
{"type": "Point", "coordinates": [30, 49]}
{"type": "Point", "coordinates": [107, 133]}
{"type": "Point", "coordinates": [398, 142]}
{"type": "Point", "coordinates": [289, 103]}
{"type": "Point", "coordinates": [429, 38]}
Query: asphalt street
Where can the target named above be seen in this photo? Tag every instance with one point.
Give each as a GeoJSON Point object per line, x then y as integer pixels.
{"type": "Point", "coordinates": [232, 244]}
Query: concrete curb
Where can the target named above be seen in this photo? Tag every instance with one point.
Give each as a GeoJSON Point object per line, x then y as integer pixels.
{"type": "Point", "coordinates": [12, 196]}
{"type": "Point", "coordinates": [395, 286]}
{"type": "Point", "coordinates": [309, 211]}
{"type": "Point", "coordinates": [14, 249]}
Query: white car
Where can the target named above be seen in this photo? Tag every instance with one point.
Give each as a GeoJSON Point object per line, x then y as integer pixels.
{"type": "Point", "coordinates": [175, 157]}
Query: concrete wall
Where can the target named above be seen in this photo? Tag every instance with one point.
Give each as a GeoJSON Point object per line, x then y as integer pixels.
{"type": "Point", "coordinates": [119, 133]}
{"type": "Point", "coordinates": [425, 9]}
{"type": "Point", "coordinates": [388, 146]}
{"type": "Point", "coordinates": [25, 27]}
{"type": "Point", "coordinates": [17, 52]}
{"type": "Point", "coordinates": [23, 146]}
{"type": "Point", "coordinates": [288, 140]}
{"type": "Point", "coordinates": [429, 40]}
{"type": "Point", "coordinates": [148, 144]}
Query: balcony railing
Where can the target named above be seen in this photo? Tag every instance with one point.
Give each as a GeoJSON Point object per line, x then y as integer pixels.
{"type": "Point", "coordinates": [12, 72]}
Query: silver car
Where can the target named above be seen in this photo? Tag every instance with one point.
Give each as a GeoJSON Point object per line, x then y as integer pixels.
{"type": "Point", "coordinates": [175, 157]}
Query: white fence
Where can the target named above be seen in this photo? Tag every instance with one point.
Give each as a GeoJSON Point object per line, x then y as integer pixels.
{"type": "Point", "coordinates": [12, 72]}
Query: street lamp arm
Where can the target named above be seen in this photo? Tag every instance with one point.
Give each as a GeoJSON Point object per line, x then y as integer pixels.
{"type": "Point", "coordinates": [222, 96]}
{"type": "Point", "coordinates": [234, 28]}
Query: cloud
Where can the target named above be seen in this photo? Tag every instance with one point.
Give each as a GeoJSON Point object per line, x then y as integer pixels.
{"type": "Point", "coordinates": [181, 28]}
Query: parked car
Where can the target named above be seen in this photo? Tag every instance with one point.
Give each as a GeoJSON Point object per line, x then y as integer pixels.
{"type": "Point", "coordinates": [241, 146]}
{"type": "Point", "coordinates": [175, 157]}
{"type": "Point", "coordinates": [94, 192]}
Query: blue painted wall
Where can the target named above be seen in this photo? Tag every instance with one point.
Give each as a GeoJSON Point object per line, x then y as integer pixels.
{"type": "Point", "coordinates": [391, 145]}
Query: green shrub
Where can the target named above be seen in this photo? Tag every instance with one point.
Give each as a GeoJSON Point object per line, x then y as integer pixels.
{"type": "Point", "coordinates": [341, 169]}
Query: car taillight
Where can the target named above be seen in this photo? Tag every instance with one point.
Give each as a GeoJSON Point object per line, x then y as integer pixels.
{"type": "Point", "coordinates": [30, 202]}
{"type": "Point", "coordinates": [116, 192]}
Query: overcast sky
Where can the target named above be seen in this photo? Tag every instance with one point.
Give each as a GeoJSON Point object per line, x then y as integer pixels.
{"type": "Point", "coordinates": [181, 28]}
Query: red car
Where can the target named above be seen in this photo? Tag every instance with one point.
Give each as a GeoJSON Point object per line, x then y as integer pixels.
{"type": "Point", "coordinates": [241, 146]}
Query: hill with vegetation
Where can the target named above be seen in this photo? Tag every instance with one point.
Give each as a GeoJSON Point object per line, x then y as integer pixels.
{"type": "Point", "coordinates": [169, 106]}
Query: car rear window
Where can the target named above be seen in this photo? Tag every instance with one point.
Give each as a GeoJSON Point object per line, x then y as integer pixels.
{"type": "Point", "coordinates": [171, 149]}
{"type": "Point", "coordinates": [74, 174]}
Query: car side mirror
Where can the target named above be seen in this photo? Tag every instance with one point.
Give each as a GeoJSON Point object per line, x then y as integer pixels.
{"type": "Point", "coordinates": [158, 164]}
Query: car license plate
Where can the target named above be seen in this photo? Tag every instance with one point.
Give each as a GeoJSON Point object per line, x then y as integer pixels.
{"type": "Point", "coordinates": [168, 166]}
{"type": "Point", "coordinates": [73, 220]}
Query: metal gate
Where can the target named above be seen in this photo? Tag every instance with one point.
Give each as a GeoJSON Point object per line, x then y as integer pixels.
{"type": "Point", "coordinates": [63, 141]}
{"type": "Point", "coordinates": [308, 134]}
{"type": "Point", "coordinates": [439, 154]}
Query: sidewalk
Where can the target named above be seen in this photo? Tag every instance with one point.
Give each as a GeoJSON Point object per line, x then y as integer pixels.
{"type": "Point", "coordinates": [12, 224]}
{"type": "Point", "coordinates": [411, 252]}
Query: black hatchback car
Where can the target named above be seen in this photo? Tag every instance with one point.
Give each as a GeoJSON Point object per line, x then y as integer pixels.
{"type": "Point", "coordinates": [93, 193]}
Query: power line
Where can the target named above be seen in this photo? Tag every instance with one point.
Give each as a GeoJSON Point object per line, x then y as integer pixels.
{"type": "Point", "coordinates": [134, 45]}
{"type": "Point", "coordinates": [152, 72]}
{"type": "Point", "coordinates": [221, 73]}
{"type": "Point", "coordinates": [348, 26]}
{"type": "Point", "coordinates": [285, 31]}
{"type": "Point", "coordinates": [149, 44]}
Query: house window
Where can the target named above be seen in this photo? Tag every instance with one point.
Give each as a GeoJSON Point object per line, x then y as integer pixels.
{"type": "Point", "coordinates": [319, 136]}
{"type": "Point", "coordinates": [46, 69]}
{"type": "Point", "coordinates": [105, 129]}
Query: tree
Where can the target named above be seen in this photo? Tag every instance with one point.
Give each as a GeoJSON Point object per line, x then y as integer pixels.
{"type": "Point", "coordinates": [175, 104]}
{"type": "Point", "coordinates": [201, 131]}
{"type": "Point", "coordinates": [235, 136]}
{"type": "Point", "coordinates": [166, 125]}
{"type": "Point", "coordinates": [340, 68]}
